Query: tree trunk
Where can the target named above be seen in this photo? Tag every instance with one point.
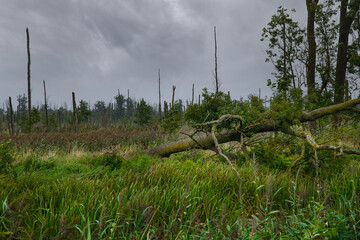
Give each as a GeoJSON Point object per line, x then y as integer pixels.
{"type": "Point", "coordinates": [28, 77]}
{"type": "Point", "coordinates": [310, 73]}
{"type": "Point", "coordinates": [173, 96]}
{"type": "Point", "coordinates": [311, 63]}
{"type": "Point", "coordinates": [268, 125]}
{"type": "Point", "coordinates": [165, 109]}
{"type": "Point", "coordinates": [346, 20]}
{"type": "Point", "coordinates": [159, 96]}
{"type": "Point", "coordinates": [8, 118]}
{"type": "Point", "coordinates": [59, 119]}
{"type": "Point", "coordinates": [11, 118]}
{"type": "Point", "coordinates": [216, 65]}
{"type": "Point", "coordinates": [46, 110]}
{"type": "Point", "coordinates": [192, 96]}
{"type": "Point", "coordinates": [74, 113]}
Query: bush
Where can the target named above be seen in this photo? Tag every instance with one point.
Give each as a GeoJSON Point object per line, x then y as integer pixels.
{"type": "Point", "coordinates": [212, 107]}
{"type": "Point", "coordinates": [171, 123]}
{"type": "Point", "coordinates": [110, 159]}
{"type": "Point", "coordinates": [144, 113]}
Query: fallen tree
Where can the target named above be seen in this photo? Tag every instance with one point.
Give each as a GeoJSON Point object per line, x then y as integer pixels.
{"type": "Point", "coordinates": [207, 141]}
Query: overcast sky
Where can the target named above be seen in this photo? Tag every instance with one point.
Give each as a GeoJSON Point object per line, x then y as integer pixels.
{"type": "Point", "coordinates": [95, 47]}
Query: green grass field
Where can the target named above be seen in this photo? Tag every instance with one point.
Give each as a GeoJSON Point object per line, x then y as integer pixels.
{"type": "Point", "coordinates": [47, 194]}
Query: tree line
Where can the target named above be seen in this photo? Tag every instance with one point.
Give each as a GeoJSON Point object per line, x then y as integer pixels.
{"type": "Point", "coordinates": [123, 111]}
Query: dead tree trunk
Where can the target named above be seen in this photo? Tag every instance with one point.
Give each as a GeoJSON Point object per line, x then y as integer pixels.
{"type": "Point", "coordinates": [192, 97]}
{"type": "Point", "coordinates": [159, 96]}
{"type": "Point", "coordinates": [59, 119]}
{"type": "Point", "coordinates": [74, 113]}
{"type": "Point", "coordinates": [8, 119]}
{"type": "Point", "coordinates": [11, 118]}
{"type": "Point", "coordinates": [28, 77]}
{"type": "Point", "coordinates": [206, 141]}
{"type": "Point", "coordinates": [173, 96]}
{"type": "Point", "coordinates": [46, 109]}
{"type": "Point", "coordinates": [216, 65]}
{"type": "Point", "coordinates": [165, 109]}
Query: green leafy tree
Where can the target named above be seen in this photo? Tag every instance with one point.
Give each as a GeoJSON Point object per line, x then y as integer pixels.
{"type": "Point", "coordinates": [129, 108]}
{"type": "Point", "coordinates": [35, 116]}
{"type": "Point", "coordinates": [172, 121]}
{"type": "Point", "coordinates": [22, 114]}
{"type": "Point", "coordinates": [120, 106]}
{"type": "Point", "coordinates": [83, 111]}
{"type": "Point", "coordinates": [144, 113]}
{"type": "Point", "coordinates": [286, 49]}
{"type": "Point", "coordinates": [52, 121]}
{"type": "Point", "coordinates": [99, 111]}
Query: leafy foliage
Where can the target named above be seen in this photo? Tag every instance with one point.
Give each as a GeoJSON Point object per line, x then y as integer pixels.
{"type": "Point", "coordinates": [211, 108]}
{"type": "Point", "coordinates": [83, 111]}
{"type": "Point", "coordinates": [286, 39]}
{"type": "Point", "coordinates": [171, 122]}
{"type": "Point", "coordinates": [144, 113]}
{"type": "Point", "coordinates": [287, 107]}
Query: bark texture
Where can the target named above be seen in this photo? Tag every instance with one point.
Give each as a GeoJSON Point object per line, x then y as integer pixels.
{"type": "Point", "coordinates": [347, 17]}
{"type": "Point", "coordinates": [311, 64]}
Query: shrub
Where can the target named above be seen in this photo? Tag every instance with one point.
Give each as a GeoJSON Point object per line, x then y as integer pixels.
{"type": "Point", "coordinates": [144, 113]}
{"type": "Point", "coordinates": [212, 107]}
{"type": "Point", "coordinates": [110, 159]}
{"type": "Point", "coordinates": [172, 121]}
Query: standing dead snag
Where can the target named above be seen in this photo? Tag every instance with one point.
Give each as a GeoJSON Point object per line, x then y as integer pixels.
{"type": "Point", "coordinates": [11, 117]}
{"type": "Point", "coordinates": [74, 113]}
{"type": "Point", "coordinates": [28, 76]}
{"type": "Point", "coordinates": [173, 96]}
{"type": "Point", "coordinates": [216, 64]}
{"type": "Point", "coordinates": [46, 110]}
{"type": "Point", "coordinates": [192, 96]}
{"type": "Point", "coordinates": [159, 96]}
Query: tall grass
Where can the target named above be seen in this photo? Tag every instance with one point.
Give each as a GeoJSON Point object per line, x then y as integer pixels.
{"type": "Point", "coordinates": [101, 196]}
{"type": "Point", "coordinates": [89, 141]}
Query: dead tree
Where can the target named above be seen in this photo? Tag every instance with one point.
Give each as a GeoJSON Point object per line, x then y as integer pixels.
{"type": "Point", "coordinates": [46, 109]}
{"type": "Point", "coordinates": [206, 141]}
{"type": "Point", "coordinates": [173, 96]}
{"type": "Point", "coordinates": [216, 65]}
{"type": "Point", "coordinates": [159, 96]}
{"type": "Point", "coordinates": [28, 76]}
{"type": "Point", "coordinates": [192, 96]}
{"type": "Point", "coordinates": [74, 113]}
{"type": "Point", "coordinates": [165, 109]}
{"type": "Point", "coordinates": [11, 118]}
{"type": "Point", "coordinates": [8, 118]}
{"type": "Point", "coordinates": [59, 119]}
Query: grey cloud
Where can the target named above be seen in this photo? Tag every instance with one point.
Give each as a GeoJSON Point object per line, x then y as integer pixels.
{"type": "Point", "coordinates": [94, 47]}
